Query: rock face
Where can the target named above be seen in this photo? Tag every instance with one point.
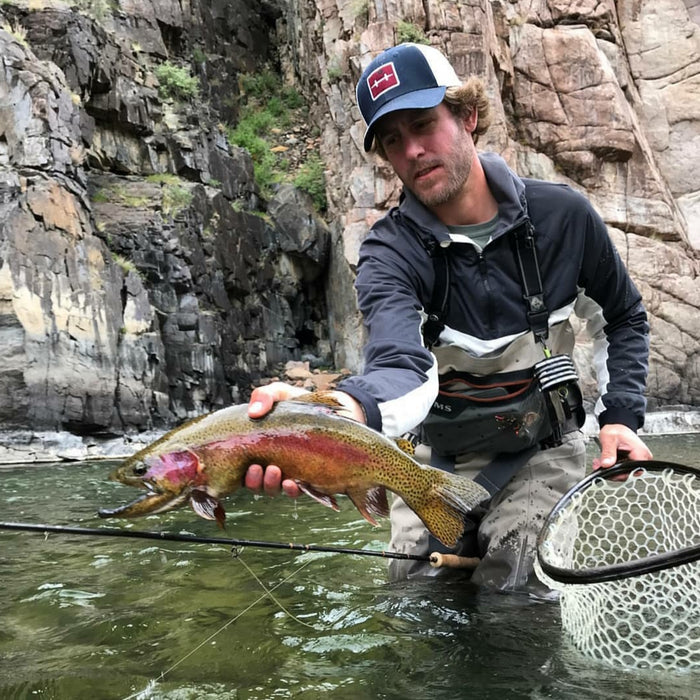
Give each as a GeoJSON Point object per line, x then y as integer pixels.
{"type": "Point", "coordinates": [145, 279]}
{"type": "Point", "coordinates": [139, 281]}
{"type": "Point", "coordinates": [600, 95]}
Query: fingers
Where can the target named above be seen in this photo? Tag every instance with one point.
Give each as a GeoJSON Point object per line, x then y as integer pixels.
{"type": "Point", "coordinates": [260, 404]}
{"type": "Point", "coordinates": [264, 397]}
{"type": "Point", "coordinates": [640, 451]}
{"type": "Point", "coordinates": [253, 478]}
{"type": "Point", "coordinates": [269, 481]}
{"type": "Point", "coordinates": [608, 455]}
{"type": "Point", "coordinates": [290, 488]}
{"type": "Point", "coordinates": [618, 442]}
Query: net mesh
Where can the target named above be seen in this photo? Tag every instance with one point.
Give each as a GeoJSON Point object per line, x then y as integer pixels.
{"type": "Point", "coordinates": [649, 620]}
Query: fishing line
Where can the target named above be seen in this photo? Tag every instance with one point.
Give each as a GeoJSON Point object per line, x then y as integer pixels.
{"type": "Point", "coordinates": [436, 559]}
{"type": "Point", "coordinates": [228, 623]}
{"type": "Point", "coordinates": [269, 592]}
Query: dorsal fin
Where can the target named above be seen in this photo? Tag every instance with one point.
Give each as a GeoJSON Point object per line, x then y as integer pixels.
{"type": "Point", "coordinates": [322, 398]}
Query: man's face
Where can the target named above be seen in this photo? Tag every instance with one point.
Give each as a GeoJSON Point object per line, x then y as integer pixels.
{"type": "Point", "coordinates": [430, 150]}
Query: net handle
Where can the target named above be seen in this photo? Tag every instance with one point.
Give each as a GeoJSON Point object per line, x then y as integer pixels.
{"type": "Point", "coordinates": [615, 572]}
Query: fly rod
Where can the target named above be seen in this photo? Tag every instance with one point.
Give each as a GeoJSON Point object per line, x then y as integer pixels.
{"type": "Point", "coordinates": [436, 559]}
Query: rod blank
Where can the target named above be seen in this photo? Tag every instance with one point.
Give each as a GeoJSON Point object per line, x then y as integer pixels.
{"type": "Point", "coordinates": [172, 537]}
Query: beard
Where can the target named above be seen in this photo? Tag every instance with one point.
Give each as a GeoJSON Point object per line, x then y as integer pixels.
{"type": "Point", "coordinates": [456, 166]}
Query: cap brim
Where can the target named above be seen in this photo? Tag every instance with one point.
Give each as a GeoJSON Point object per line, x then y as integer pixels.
{"type": "Point", "coordinates": [418, 99]}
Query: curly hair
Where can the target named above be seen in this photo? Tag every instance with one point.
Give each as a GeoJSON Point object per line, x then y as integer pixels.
{"type": "Point", "coordinates": [469, 96]}
{"type": "Point", "coordinates": [461, 101]}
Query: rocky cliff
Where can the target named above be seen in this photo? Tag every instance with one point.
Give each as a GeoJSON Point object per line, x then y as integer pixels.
{"type": "Point", "coordinates": [142, 277]}
{"type": "Point", "coordinates": [147, 275]}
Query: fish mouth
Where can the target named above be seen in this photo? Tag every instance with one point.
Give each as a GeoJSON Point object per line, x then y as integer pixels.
{"type": "Point", "coordinates": [152, 501]}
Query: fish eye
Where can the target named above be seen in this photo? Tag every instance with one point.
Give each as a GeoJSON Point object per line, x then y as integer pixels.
{"type": "Point", "coordinates": [140, 470]}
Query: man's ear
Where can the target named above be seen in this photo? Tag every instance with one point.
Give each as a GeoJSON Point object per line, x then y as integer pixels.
{"type": "Point", "coordinates": [471, 120]}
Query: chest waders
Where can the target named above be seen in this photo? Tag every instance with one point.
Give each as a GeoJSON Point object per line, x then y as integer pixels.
{"type": "Point", "coordinates": [485, 402]}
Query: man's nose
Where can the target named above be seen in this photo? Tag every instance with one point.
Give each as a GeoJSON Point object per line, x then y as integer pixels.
{"type": "Point", "coordinates": [413, 146]}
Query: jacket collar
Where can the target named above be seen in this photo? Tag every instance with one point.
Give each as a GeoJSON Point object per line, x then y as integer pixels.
{"type": "Point", "coordinates": [507, 188]}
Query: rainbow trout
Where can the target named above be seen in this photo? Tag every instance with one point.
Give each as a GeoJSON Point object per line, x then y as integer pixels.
{"type": "Point", "coordinates": [324, 452]}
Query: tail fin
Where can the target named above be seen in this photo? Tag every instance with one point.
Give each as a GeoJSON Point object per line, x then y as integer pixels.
{"type": "Point", "coordinates": [449, 500]}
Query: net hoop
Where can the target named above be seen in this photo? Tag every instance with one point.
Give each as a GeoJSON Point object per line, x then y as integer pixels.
{"type": "Point", "coordinates": [615, 572]}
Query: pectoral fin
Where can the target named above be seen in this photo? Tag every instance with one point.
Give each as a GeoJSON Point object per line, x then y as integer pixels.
{"type": "Point", "coordinates": [323, 498]}
{"type": "Point", "coordinates": [207, 507]}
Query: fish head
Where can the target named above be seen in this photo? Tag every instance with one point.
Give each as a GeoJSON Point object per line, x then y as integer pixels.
{"type": "Point", "coordinates": [169, 479]}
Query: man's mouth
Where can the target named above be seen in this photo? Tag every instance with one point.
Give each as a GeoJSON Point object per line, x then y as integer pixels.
{"type": "Point", "coordinates": [425, 172]}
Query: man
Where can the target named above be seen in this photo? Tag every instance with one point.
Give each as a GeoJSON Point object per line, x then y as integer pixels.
{"type": "Point", "coordinates": [466, 222]}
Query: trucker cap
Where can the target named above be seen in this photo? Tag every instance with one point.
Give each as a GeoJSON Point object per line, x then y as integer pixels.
{"type": "Point", "coordinates": [407, 76]}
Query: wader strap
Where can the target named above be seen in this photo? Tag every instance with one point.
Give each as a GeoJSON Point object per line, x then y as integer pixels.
{"type": "Point", "coordinates": [526, 254]}
{"type": "Point", "coordinates": [437, 307]}
{"type": "Point", "coordinates": [438, 302]}
{"type": "Point", "coordinates": [446, 463]}
{"type": "Point", "coordinates": [495, 475]}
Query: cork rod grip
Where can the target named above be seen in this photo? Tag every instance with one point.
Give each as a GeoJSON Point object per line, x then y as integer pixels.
{"type": "Point", "coordinates": [452, 561]}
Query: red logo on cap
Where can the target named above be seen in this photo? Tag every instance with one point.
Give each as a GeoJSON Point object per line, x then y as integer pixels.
{"type": "Point", "coordinates": [382, 79]}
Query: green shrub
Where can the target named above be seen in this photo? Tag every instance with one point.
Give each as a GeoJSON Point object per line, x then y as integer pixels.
{"type": "Point", "coordinates": [292, 98]}
{"type": "Point", "coordinates": [175, 195]}
{"type": "Point", "coordinates": [164, 179]}
{"type": "Point", "coordinates": [267, 108]}
{"type": "Point", "coordinates": [246, 135]}
{"type": "Point", "coordinates": [360, 10]}
{"type": "Point", "coordinates": [116, 193]}
{"type": "Point", "coordinates": [97, 9]}
{"type": "Point", "coordinates": [175, 199]}
{"type": "Point", "coordinates": [176, 82]}
{"type": "Point", "coordinates": [125, 264]}
{"type": "Point", "coordinates": [17, 31]}
{"type": "Point", "coordinates": [407, 31]}
{"type": "Point", "coordinates": [312, 180]}
{"type": "Point", "coordinates": [260, 85]}
{"type": "Point", "coordinates": [335, 71]}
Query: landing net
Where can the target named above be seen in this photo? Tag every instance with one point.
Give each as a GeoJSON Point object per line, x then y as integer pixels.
{"type": "Point", "coordinates": [625, 556]}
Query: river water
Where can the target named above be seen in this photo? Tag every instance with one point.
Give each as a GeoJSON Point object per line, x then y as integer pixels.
{"type": "Point", "coordinates": [102, 618]}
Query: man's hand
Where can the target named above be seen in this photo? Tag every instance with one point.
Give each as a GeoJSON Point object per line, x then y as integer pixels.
{"type": "Point", "coordinates": [265, 397]}
{"type": "Point", "coordinates": [268, 478]}
{"type": "Point", "coordinates": [616, 439]}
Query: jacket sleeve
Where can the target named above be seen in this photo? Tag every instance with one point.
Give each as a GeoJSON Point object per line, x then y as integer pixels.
{"type": "Point", "coordinates": [399, 382]}
{"type": "Point", "coordinates": [617, 322]}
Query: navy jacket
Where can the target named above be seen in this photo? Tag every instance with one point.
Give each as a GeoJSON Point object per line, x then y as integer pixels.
{"type": "Point", "coordinates": [581, 271]}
